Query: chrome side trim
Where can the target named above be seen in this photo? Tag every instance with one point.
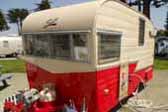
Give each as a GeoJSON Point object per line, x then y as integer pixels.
{"type": "Point", "coordinates": [61, 32]}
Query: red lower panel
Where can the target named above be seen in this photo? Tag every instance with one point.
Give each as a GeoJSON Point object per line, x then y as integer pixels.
{"type": "Point", "coordinates": [107, 80]}
{"type": "Point", "coordinates": [100, 88]}
{"type": "Point", "coordinates": [74, 86]}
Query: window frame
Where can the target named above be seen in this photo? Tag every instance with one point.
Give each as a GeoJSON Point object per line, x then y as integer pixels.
{"type": "Point", "coordinates": [112, 59]}
{"type": "Point", "coordinates": [72, 58]}
{"type": "Point", "coordinates": [5, 44]}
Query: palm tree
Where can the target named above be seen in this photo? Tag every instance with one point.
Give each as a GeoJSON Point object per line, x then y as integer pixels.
{"type": "Point", "coordinates": [16, 16]}
{"type": "Point", "coordinates": [45, 4]}
{"type": "Point", "coordinates": [3, 24]}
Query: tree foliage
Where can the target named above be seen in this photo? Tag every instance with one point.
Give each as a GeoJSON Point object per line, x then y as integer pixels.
{"type": "Point", "coordinates": [3, 23]}
{"type": "Point", "coordinates": [16, 16]}
{"type": "Point", "coordinates": [162, 33]}
{"type": "Point", "coordinates": [166, 25]}
{"type": "Point", "coordinates": [145, 5]}
{"type": "Point", "coordinates": [45, 4]}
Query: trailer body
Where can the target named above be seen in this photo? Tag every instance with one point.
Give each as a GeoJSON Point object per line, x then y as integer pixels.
{"type": "Point", "coordinates": [99, 51]}
{"type": "Point", "coordinates": [10, 46]}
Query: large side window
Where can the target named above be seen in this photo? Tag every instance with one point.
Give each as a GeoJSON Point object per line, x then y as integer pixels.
{"type": "Point", "coordinates": [108, 47]}
{"type": "Point", "coordinates": [72, 46]}
{"type": "Point", "coordinates": [141, 31]}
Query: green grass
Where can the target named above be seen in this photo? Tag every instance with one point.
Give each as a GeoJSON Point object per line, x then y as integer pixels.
{"type": "Point", "coordinates": [161, 64]}
{"type": "Point", "coordinates": [18, 66]}
{"type": "Point", "coordinates": [12, 66]}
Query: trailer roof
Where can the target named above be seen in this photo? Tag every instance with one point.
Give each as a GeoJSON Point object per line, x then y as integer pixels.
{"type": "Point", "coordinates": [78, 17]}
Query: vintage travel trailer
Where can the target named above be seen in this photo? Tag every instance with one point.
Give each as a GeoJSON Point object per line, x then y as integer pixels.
{"type": "Point", "coordinates": [95, 53]}
{"type": "Point", "coordinates": [10, 46]}
{"type": "Point", "coordinates": [161, 46]}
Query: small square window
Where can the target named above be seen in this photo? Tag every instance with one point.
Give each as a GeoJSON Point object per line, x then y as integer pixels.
{"type": "Point", "coordinates": [5, 44]}
{"type": "Point", "coordinates": [109, 47]}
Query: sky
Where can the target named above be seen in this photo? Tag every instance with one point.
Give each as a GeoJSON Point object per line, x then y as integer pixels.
{"type": "Point", "coordinates": [158, 15]}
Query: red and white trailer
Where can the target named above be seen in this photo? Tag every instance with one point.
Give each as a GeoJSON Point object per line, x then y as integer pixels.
{"type": "Point", "coordinates": [96, 53]}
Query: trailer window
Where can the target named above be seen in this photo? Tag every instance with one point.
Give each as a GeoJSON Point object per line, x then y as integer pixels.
{"type": "Point", "coordinates": [71, 46]}
{"type": "Point", "coordinates": [109, 47]}
{"type": "Point", "coordinates": [5, 44]}
{"type": "Point", "coordinates": [28, 44]}
{"type": "Point", "coordinates": [141, 31]}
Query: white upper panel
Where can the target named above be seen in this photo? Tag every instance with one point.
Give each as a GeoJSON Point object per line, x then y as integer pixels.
{"type": "Point", "coordinates": [68, 18]}
{"type": "Point", "coordinates": [103, 15]}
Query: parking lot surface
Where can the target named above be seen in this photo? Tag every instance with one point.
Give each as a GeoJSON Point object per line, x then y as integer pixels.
{"type": "Point", "coordinates": [156, 92]}
{"type": "Point", "coordinates": [18, 82]}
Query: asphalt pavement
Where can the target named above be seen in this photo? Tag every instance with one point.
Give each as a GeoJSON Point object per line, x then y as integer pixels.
{"type": "Point", "coordinates": [17, 82]}
{"type": "Point", "coordinates": [155, 92]}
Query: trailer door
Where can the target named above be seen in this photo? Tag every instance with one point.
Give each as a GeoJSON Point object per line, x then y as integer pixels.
{"type": "Point", "coordinates": [124, 78]}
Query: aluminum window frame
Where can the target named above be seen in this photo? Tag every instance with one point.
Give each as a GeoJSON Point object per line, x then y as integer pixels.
{"type": "Point", "coordinates": [72, 59]}
{"type": "Point", "coordinates": [5, 44]}
{"type": "Point", "coordinates": [141, 32]}
{"type": "Point", "coordinates": [108, 32]}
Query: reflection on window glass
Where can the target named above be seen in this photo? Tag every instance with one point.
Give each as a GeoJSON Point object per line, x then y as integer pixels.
{"type": "Point", "coordinates": [41, 45]}
{"type": "Point", "coordinates": [28, 44]}
{"type": "Point", "coordinates": [36, 45]}
{"type": "Point", "coordinates": [79, 40]}
{"type": "Point", "coordinates": [109, 47]}
{"type": "Point", "coordinates": [59, 46]}
{"type": "Point", "coordinates": [80, 47]}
